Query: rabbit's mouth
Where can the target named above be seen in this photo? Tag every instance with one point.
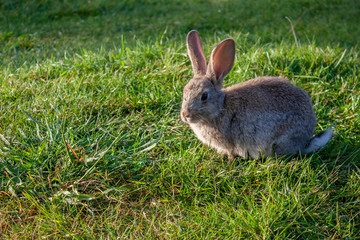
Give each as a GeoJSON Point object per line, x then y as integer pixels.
{"type": "Point", "coordinates": [192, 121]}
{"type": "Point", "coordinates": [190, 118]}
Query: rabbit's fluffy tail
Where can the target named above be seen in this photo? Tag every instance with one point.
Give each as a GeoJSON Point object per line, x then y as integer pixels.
{"type": "Point", "coordinates": [319, 140]}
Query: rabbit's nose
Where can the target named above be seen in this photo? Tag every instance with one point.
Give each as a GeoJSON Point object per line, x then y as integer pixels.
{"type": "Point", "coordinates": [185, 114]}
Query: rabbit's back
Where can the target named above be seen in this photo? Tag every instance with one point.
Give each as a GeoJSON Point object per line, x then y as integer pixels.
{"type": "Point", "coordinates": [264, 94]}
{"type": "Point", "coordinates": [267, 112]}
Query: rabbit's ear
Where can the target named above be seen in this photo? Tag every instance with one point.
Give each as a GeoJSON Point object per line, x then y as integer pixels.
{"type": "Point", "coordinates": [221, 61]}
{"type": "Point", "coordinates": [196, 53]}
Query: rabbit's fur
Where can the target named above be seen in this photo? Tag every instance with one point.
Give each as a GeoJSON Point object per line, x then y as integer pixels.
{"type": "Point", "coordinates": [261, 117]}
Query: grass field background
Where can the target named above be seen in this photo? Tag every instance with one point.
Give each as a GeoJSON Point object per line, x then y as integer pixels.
{"type": "Point", "coordinates": [92, 145]}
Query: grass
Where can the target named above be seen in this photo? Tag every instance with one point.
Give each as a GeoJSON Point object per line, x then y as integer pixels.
{"type": "Point", "coordinates": [92, 146]}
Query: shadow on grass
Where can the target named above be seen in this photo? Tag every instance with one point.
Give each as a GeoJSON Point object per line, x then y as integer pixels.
{"type": "Point", "coordinates": [326, 22]}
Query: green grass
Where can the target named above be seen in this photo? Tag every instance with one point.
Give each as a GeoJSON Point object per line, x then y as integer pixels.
{"type": "Point", "coordinates": [92, 145]}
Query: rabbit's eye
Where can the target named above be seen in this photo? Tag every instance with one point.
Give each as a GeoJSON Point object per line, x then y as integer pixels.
{"type": "Point", "coordinates": [204, 96]}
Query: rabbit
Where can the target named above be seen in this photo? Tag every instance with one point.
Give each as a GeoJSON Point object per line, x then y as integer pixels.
{"type": "Point", "coordinates": [259, 118]}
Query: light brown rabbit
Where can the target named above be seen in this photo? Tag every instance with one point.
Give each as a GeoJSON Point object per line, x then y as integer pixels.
{"type": "Point", "coordinates": [261, 117]}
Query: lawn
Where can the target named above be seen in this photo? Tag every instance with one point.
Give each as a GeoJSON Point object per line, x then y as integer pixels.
{"type": "Point", "coordinates": [91, 141]}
